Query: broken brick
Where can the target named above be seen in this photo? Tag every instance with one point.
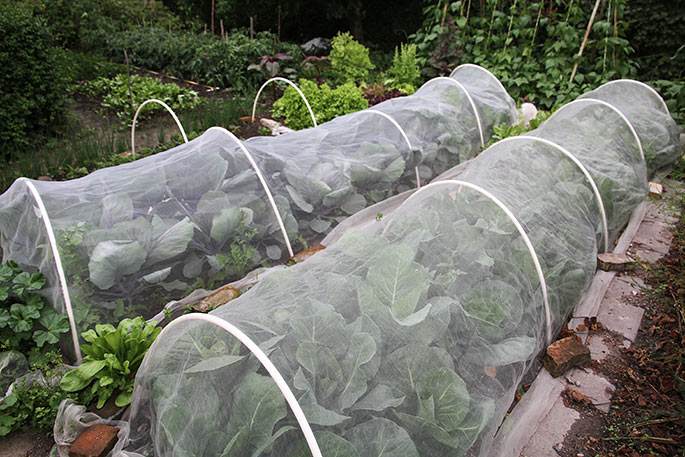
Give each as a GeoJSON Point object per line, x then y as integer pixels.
{"type": "Point", "coordinates": [564, 354]}
{"type": "Point", "coordinates": [95, 441]}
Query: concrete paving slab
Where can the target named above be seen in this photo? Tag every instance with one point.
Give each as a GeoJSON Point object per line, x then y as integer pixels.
{"type": "Point", "coordinates": [551, 432]}
{"type": "Point", "coordinates": [594, 386]}
{"type": "Point", "coordinates": [653, 238]}
{"type": "Point", "coordinates": [599, 349]}
{"type": "Point", "coordinates": [620, 317]}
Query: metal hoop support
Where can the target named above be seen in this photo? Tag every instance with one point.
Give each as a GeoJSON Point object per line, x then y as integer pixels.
{"type": "Point", "coordinates": [263, 359]}
{"type": "Point", "coordinates": [133, 127]}
{"type": "Point", "coordinates": [404, 135]}
{"type": "Point", "coordinates": [640, 83]}
{"type": "Point", "coordinates": [612, 107]}
{"type": "Point", "coordinates": [517, 224]}
{"type": "Point", "coordinates": [262, 181]}
{"type": "Point", "coordinates": [480, 68]}
{"type": "Point", "coordinates": [574, 159]}
{"type": "Point", "coordinates": [468, 96]}
{"type": "Point", "coordinates": [58, 265]}
{"type": "Point", "coordinates": [278, 78]}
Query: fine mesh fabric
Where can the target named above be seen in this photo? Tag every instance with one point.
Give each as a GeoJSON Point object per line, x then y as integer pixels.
{"type": "Point", "coordinates": [133, 237]}
{"type": "Point", "coordinates": [408, 336]}
{"type": "Point", "coordinates": [647, 112]}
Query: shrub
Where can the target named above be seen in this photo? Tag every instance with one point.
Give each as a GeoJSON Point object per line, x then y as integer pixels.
{"type": "Point", "coordinates": [33, 81]}
{"type": "Point", "coordinates": [326, 103]}
{"type": "Point", "coordinates": [404, 72]}
{"type": "Point", "coordinates": [349, 59]}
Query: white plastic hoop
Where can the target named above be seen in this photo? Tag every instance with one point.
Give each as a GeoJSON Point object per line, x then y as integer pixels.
{"type": "Point", "coordinates": [517, 224]}
{"type": "Point", "coordinates": [578, 163]}
{"type": "Point", "coordinates": [468, 96]}
{"type": "Point", "coordinates": [262, 181]}
{"type": "Point", "coordinates": [133, 127]}
{"type": "Point", "coordinates": [610, 106]}
{"type": "Point", "coordinates": [651, 89]}
{"type": "Point", "coordinates": [404, 135]}
{"type": "Point", "coordinates": [58, 264]}
{"type": "Point", "coordinates": [499, 83]}
{"type": "Point", "coordinates": [263, 359]}
{"type": "Point", "coordinates": [278, 78]}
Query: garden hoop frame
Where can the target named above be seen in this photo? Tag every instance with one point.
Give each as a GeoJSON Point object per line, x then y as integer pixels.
{"type": "Point", "coordinates": [58, 265]}
{"type": "Point", "coordinates": [579, 164]}
{"type": "Point", "coordinates": [468, 96]}
{"type": "Point", "coordinates": [519, 228]}
{"type": "Point", "coordinates": [135, 117]}
{"type": "Point", "coordinates": [263, 359]}
{"type": "Point", "coordinates": [404, 135]}
{"type": "Point", "coordinates": [640, 83]}
{"type": "Point", "coordinates": [260, 176]}
{"type": "Point", "coordinates": [278, 78]}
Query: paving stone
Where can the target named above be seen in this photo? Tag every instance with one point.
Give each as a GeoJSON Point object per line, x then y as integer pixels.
{"type": "Point", "coordinates": [593, 386]}
{"type": "Point", "coordinates": [599, 350]}
{"type": "Point", "coordinates": [620, 317]}
{"type": "Point", "coordinates": [95, 441]}
{"type": "Point", "coordinates": [551, 432]}
{"type": "Point", "coordinates": [565, 354]}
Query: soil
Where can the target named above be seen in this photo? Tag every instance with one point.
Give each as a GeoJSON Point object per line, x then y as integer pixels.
{"type": "Point", "coordinates": [647, 416]}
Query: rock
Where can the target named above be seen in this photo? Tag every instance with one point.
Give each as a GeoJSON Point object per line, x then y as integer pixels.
{"type": "Point", "coordinates": [216, 299]}
{"type": "Point", "coordinates": [574, 396]}
{"type": "Point", "coordinates": [655, 190]}
{"type": "Point", "coordinates": [95, 441]}
{"type": "Point", "coordinates": [564, 354]}
{"type": "Point", "coordinates": [317, 46]}
{"type": "Point", "coordinates": [276, 128]}
{"type": "Point", "coordinates": [304, 255]}
{"type": "Point", "coordinates": [610, 261]}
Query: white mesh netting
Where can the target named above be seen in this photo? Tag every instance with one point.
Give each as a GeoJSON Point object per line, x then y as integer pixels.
{"type": "Point", "coordinates": [409, 334]}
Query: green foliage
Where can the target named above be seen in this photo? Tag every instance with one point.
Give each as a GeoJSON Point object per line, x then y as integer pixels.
{"type": "Point", "coordinates": [404, 72]}
{"type": "Point", "coordinates": [199, 57]}
{"type": "Point", "coordinates": [33, 81]}
{"type": "Point", "coordinates": [326, 103]}
{"type": "Point", "coordinates": [673, 93]}
{"type": "Point", "coordinates": [349, 59]}
{"type": "Point", "coordinates": [112, 360]}
{"type": "Point", "coordinates": [27, 324]}
{"type": "Point", "coordinates": [530, 47]}
{"type": "Point", "coordinates": [34, 406]}
{"type": "Point", "coordinates": [504, 130]}
{"type": "Point", "coordinates": [116, 96]}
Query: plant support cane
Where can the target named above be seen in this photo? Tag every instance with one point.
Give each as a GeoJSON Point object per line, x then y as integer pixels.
{"type": "Point", "coordinates": [582, 45]}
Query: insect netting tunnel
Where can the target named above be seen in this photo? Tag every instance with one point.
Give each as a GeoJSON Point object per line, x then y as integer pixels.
{"type": "Point", "coordinates": [123, 241]}
{"type": "Point", "coordinates": [408, 336]}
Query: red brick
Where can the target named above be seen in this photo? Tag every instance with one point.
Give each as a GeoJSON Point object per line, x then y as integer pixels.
{"type": "Point", "coordinates": [564, 354]}
{"type": "Point", "coordinates": [95, 441]}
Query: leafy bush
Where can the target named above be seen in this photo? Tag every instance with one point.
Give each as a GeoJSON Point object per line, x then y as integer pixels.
{"type": "Point", "coordinates": [33, 81]}
{"type": "Point", "coordinates": [26, 323]}
{"type": "Point", "coordinates": [349, 59]}
{"type": "Point", "coordinates": [404, 72]}
{"type": "Point", "coordinates": [116, 95]}
{"type": "Point", "coordinates": [112, 359]}
{"type": "Point", "coordinates": [199, 57]}
{"type": "Point", "coordinates": [34, 405]}
{"type": "Point", "coordinates": [326, 103]}
{"type": "Point", "coordinates": [532, 49]}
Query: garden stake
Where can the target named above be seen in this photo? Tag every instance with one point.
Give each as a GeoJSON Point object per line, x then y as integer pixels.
{"type": "Point", "coordinates": [582, 45]}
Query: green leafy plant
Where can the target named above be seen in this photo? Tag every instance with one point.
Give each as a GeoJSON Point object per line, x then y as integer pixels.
{"type": "Point", "coordinates": [116, 96]}
{"type": "Point", "coordinates": [27, 324]}
{"type": "Point", "coordinates": [112, 360]}
{"type": "Point", "coordinates": [349, 59]}
{"type": "Point", "coordinates": [270, 66]}
{"type": "Point", "coordinates": [326, 103]}
{"type": "Point", "coordinates": [34, 405]}
{"type": "Point", "coordinates": [504, 130]}
{"type": "Point", "coordinates": [404, 74]}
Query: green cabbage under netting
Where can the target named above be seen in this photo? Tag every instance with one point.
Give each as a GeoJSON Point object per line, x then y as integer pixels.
{"type": "Point", "coordinates": [408, 336]}
{"type": "Point", "coordinates": [133, 237]}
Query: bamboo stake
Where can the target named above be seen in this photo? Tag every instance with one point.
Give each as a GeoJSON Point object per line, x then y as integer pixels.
{"type": "Point", "coordinates": [587, 34]}
{"type": "Point", "coordinates": [251, 28]}
{"type": "Point", "coordinates": [212, 17]}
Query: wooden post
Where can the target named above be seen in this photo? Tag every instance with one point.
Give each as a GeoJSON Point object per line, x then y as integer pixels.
{"type": "Point", "coordinates": [212, 17]}
{"type": "Point", "coordinates": [128, 81]}
{"type": "Point", "coordinates": [587, 34]}
{"type": "Point", "coordinates": [278, 34]}
{"type": "Point", "coordinates": [221, 23]}
{"type": "Point", "coordinates": [251, 28]}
